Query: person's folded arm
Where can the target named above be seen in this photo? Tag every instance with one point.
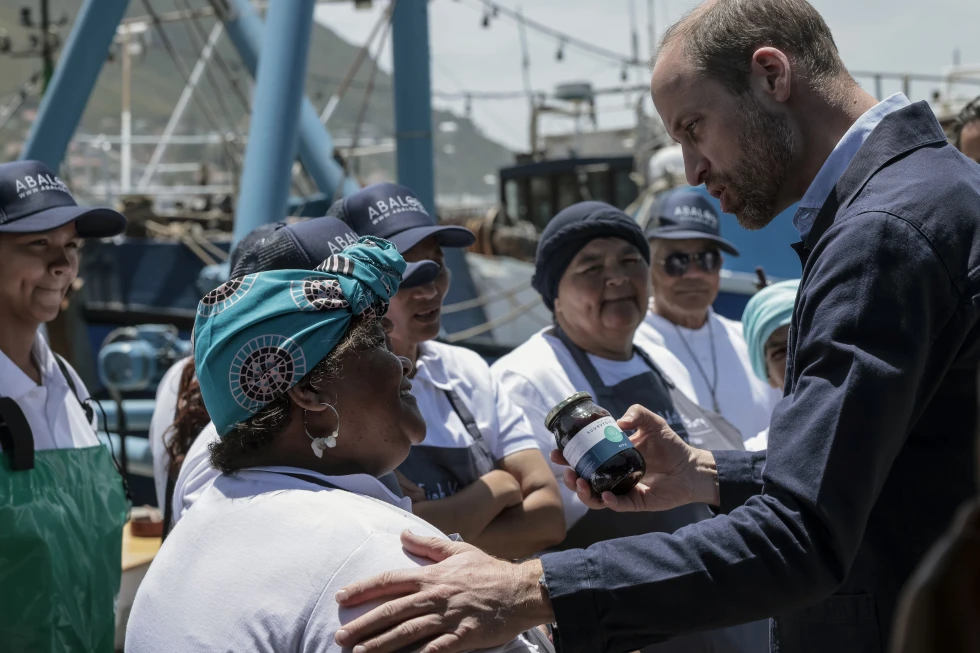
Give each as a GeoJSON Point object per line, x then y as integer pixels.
{"type": "Point", "coordinates": [538, 522]}
{"type": "Point", "coordinates": [469, 511]}
{"type": "Point", "coordinates": [873, 304]}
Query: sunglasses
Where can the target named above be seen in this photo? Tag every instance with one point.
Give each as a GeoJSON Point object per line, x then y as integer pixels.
{"type": "Point", "coordinates": [677, 264]}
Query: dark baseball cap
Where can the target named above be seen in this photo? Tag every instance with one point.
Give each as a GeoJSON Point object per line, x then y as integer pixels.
{"type": "Point", "coordinates": [686, 215]}
{"type": "Point", "coordinates": [393, 212]}
{"type": "Point", "coordinates": [301, 246]}
{"type": "Point", "coordinates": [33, 199]}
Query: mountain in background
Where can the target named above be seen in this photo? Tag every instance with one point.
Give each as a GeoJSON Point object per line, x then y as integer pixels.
{"type": "Point", "coordinates": [464, 157]}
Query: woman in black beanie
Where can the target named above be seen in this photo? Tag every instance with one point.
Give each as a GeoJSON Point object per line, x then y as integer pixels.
{"type": "Point", "coordinates": [592, 270]}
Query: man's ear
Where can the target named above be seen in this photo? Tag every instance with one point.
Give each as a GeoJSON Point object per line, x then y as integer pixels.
{"type": "Point", "coordinates": [772, 73]}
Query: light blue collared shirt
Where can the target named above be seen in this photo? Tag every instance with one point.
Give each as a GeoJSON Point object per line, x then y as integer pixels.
{"type": "Point", "coordinates": [839, 159]}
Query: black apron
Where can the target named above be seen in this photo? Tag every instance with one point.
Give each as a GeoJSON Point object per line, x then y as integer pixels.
{"type": "Point", "coordinates": [443, 471]}
{"type": "Point", "coordinates": [697, 426]}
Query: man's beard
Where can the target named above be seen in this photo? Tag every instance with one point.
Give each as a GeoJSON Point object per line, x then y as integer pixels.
{"type": "Point", "coordinates": [768, 146]}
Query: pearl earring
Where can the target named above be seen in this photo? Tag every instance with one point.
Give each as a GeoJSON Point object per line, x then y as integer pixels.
{"type": "Point", "coordinates": [328, 442]}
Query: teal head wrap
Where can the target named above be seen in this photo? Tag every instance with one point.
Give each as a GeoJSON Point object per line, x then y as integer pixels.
{"type": "Point", "coordinates": [769, 309]}
{"type": "Point", "coordinates": [256, 336]}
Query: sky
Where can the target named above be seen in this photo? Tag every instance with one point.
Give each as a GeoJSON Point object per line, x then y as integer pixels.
{"type": "Point", "coordinates": [898, 36]}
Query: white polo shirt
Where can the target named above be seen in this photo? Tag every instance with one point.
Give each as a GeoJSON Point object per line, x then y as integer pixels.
{"type": "Point", "coordinates": [196, 473]}
{"type": "Point", "coordinates": [164, 412]}
{"type": "Point", "coordinates": [443, 367]}
{"type": "Point", "coordinates": [541, 373]}
{"type": "Point", "coordinates": [257, 563]}
{"type": "Point", "coordinates": [56, 417]}
{"type": "Point", "coordinates": [743, 399]}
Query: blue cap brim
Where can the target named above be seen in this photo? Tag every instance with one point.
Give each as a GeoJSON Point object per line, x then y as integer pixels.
{"type": "Point", "coordinates": [691, 234]}
{"type": "Point", "coordinates": [420, 273]}
{"type": "Point", "coordinates": [447, 235]}
{"type": "Point", "coordinates": [89, 222]}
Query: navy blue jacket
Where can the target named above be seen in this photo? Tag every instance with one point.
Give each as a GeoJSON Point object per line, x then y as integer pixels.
{"type": "Point", "coordinates": [870, 452]}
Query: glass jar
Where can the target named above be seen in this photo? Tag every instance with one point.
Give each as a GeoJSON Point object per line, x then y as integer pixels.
{"type": "Point", "coordinates": [592, 443]}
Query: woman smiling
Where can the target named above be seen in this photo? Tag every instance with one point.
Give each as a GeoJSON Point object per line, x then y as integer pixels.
{"type": "Point", "coordinates": [592, 270]}
{"type": "Point", "coordinates": [312, 407]}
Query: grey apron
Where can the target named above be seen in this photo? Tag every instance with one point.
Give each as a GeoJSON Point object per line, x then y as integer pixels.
{"type": "Point", "coordinates": [443, 471]}
{"type": "Point", "coordinates": [692, 423]}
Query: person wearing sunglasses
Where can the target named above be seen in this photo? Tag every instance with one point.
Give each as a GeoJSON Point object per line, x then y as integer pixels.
{"type": "Point", "coordinates": [686, 258]}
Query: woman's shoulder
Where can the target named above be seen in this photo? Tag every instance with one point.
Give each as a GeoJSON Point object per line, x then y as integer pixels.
{"type": "Point", "coordinates": [456, 359]}
{"type": "Point", "coordinates": [535, 356]}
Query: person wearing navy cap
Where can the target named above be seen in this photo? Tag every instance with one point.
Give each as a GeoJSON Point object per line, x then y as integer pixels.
{"type": "Point", "coordinates": [479, 472]}
{"type": "Point", "coordinates": [687, 254]}
{"type": "Point", "coordinates": [62, 500]}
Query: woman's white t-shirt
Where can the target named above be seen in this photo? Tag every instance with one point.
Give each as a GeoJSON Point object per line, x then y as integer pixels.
{"type": "Point", "coordinates": [257, 563]}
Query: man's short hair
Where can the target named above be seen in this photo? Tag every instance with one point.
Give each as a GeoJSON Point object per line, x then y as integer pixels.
{"type": "Point", "coordinates": [720, 36]}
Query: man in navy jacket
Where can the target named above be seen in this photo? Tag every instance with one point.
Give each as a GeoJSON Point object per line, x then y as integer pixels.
{"type": "Point", "coordinates": [870, 451]}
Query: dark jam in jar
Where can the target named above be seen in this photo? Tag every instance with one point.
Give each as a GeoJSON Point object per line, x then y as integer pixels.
{"type": "Point", "coordinates": [592, 443]}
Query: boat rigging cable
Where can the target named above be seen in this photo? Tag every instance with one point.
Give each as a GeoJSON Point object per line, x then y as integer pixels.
{"type": "Point", "coordinates": [370, 89]}
{"type": "Point", "coordinates": [564, 39]}
{"type": "Point", "coordinates": [234, 156]}
{"type": "Point", "coordinates": [345, 83]}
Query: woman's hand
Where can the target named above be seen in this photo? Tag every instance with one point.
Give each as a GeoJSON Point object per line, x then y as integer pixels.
{"type": "Point", "coordinates": [411, 490]}
{"type": "Point", "coordinates": [676, 473]}
{"type": "Point", "coordinates": [505, 488]}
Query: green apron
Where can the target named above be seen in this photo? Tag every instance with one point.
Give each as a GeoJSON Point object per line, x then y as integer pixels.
{"type": "Point", "coordinates": [60, 551]}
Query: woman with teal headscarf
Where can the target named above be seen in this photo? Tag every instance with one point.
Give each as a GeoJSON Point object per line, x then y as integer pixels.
{"type": "Point", "coordinates": [297, 373]}
{"type": "Point", "coordinates": [765, 324]}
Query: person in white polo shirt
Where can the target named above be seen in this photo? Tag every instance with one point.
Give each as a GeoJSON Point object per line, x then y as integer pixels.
{"type": "Point", "coordinates": [686, 257]}
{"type": "Point", "coordinates": [479, 472]}
{"type": "Point", "coordinates": [311, 407]}
{"type": "Point", "coordinates": [592, 271]}
{"type": "Point", "coordinates": [62, 500]}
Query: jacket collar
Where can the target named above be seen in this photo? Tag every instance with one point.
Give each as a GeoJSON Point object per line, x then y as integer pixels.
{"type": "Point", "coordinates": [898, 133]}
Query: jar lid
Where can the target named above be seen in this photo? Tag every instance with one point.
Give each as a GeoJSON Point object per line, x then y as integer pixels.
{"type": "Point", "coordinates": [564, 403]}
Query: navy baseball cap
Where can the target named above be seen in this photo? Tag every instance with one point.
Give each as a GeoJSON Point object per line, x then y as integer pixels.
{"type": "Point", "coordinates": [393, 212]}
{"type": "Point", "coordinates": [301, 246]}
{"type": "Point", "coordinates": [686, 215]}
{"type": "Point", "coordinates": [34, 199]}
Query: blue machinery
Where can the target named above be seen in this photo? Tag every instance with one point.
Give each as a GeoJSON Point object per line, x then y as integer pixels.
{"type": "Point", "coordinates": [284, 124]}
{"type": "Point", "coordinates": [283, 121]}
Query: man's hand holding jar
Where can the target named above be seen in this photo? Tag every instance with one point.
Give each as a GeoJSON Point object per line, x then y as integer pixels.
{"type": "Point", "coordinates": [676, 473]}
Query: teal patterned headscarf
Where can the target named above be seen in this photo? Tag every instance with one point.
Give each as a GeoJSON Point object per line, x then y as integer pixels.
{"type": "Point", "coordinates": [256, 336]}
{"type": "Point", "coordinates": [767, 310]}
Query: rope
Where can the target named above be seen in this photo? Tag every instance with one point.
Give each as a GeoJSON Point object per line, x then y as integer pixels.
{"type": "Point", "coordinates": [192, 237]}
{"type": "Point", "coordinates": [489, 298]}
{"type": "Point", "coordinates": [26, 89]}
{"type": "Point", "coordinates": [205, 109]}
{"type": "Point", "coordinates": [219, 60]}
{"type": "Point", "coordinates": [370, 89]}
{"type": "Point", "coordinates": [345, 83]}
{"type": "Point", "coordinates": [492, 324]}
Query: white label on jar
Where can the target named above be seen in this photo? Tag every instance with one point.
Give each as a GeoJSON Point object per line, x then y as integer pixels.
{"type": "Point", "coordinates": [601, 430]}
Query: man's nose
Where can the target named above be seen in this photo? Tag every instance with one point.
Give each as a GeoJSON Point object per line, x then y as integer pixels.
{"type": "Point", "coordinates": [695, 167]}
